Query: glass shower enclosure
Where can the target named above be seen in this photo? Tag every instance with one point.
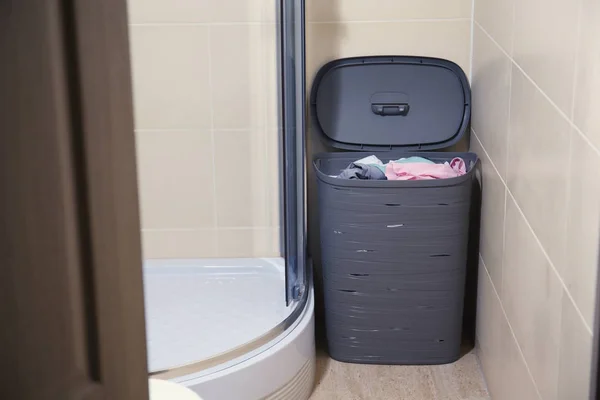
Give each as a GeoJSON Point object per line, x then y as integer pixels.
{"type": "Point", "coordinates": [219, 105]}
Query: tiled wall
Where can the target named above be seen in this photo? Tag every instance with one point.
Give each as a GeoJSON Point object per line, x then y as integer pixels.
{"type": "Point", "coordinates": [536, 91]}
{"type": "Point", "coordinates": [205, 89]}
{"type": "Point", "coordinates": [347, 28]}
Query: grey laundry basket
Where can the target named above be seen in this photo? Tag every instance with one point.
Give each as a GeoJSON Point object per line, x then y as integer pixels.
{"type": "Point", "coordinates": [394, 253]}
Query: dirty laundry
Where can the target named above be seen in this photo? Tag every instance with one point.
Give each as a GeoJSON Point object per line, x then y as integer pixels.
{"type": "Point", "coordinates": [405, 169]}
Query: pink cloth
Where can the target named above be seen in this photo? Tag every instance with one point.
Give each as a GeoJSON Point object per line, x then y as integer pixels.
{"type": "Point", "coordinates": [422, 171]}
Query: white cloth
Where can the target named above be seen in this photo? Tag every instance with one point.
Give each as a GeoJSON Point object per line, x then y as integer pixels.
{"type": "Point", "coordinates": [371, 160]}
{"type": "Point", "coordinates": [165, 390]}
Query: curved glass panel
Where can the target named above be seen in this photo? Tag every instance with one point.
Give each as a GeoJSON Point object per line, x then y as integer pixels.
{"type": "Point", "coordinates": [219, 130]}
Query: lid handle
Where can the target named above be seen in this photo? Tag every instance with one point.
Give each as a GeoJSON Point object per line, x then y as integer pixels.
{"type": "Point", "coordinates": [390, 109]}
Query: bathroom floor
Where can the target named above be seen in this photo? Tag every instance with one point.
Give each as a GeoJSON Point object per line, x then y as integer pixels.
{"type": "Point", "coordinates": [462, 380]}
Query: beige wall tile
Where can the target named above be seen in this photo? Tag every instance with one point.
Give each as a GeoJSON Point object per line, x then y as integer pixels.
{"type": "Point", "coordinates": [491, 92]}
{"type": "Point", "coordinates": [558, 194]}
{"type": "Point", "coordinates": [501, 361]}
{"type": "Point", "coordinates": [244, 10]}
{"type": "Point", "coordinates": [545, 45]}
{"type": "Point", "coordinates": [537, 172]}
{"type": "Point", "coordinates": [179, 243]}
{"type": "Point", "coordinates": [532, 295]}
{"type": "Point", "coordinates": [386, 10]}
{"type": "Point", "coordinates": [175, 179]}
{"type": "Point", "coordinates": [201, 11]}
{"type": "Point", "coordinates": [587, 91]}
{"type": "Point", "coordinates": [583, 227]}
{"type": "Point", "coordinates": [490, 320]}
{"type": "Point", "coordinates": [497, 18]}
{"type": "Point", "coordinates": [513, 379]}
{"type": "Point", "coordinates": [328, 41]}
{"type": "Point", "coordinates": [155, 11]}
{"type": "Point", "coordinates": [249, 242]}
{"type": "Point", "coordinates": [242, 182]}
{"type": "Point", "coordinates": [274, 181]}
{"type": "Point", "coordinates": [273, 91]}
{"type": "Point", "coordinates": [170, 77]}
{"type": "Point", "coordinates": [492, 216]}
{"type": "Point", "coordinates": [575, 355]}
{"type": "Point", "coordinates": [242, 67]}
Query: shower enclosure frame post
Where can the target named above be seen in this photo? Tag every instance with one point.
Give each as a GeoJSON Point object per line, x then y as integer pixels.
{"type": "Point", "coordinates": [293, 114]}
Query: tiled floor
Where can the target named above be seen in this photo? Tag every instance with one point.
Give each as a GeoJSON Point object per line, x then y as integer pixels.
{"type": "Point", "coordinates": [459, 381]}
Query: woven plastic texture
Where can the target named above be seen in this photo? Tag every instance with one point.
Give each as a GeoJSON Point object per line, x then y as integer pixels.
{"type": "Point", "coordinates": [394, 257]}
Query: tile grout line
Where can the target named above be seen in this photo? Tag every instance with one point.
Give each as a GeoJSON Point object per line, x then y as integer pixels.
{"type": "Point", "coordinates": [385, 21]}
{"type": "Point", "coordinates": [505, 207]}
{"type": "Point", "coordinates": [507, 154]}
{"type": "Point", "coordinates": [226, 228]}
{"type": "Point", "coordinates": [570, 167]}
{"type": "Point", "coordinates": [551, 264]}
{"type": "Point", "coordinates": [557, 109]}
{"type": "Point", "coordinates": [513, 33]}
{"type": "Point", "coordinates": [512, 332]}
{"type": "Point", "coordinates": [167, 131]}
{"type": "Point", "coordinates": [206, 24]}
{"type": "Point", "coordinates": [188, 130]}
{"type": "Point", "coordinates": [237, 23]}
{"type": "Point", "coordinates": [265, 132]}
{"type": "Point", "coordinates": [578, 51]}
{"type": "Point", "coordinates": [509, 193]}
{"type": "Point", "coordinates": [567, 221]}
{"type": "Point", "coordinates": [503, 261]}
{"type": "Point", "coordinates": [510, 86]}
{"type": "Point", "coordinates": [213, 142]}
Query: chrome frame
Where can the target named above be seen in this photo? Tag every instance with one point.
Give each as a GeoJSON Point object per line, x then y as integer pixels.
{"type": "Point", "coordinates": [293, 89]}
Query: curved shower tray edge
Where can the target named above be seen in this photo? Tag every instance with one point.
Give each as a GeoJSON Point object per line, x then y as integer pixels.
{"type": "Point", "coordinates": [283, 368]}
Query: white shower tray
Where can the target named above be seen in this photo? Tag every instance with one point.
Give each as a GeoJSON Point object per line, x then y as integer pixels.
{"type": "Point", "coordinates": [198, 309]}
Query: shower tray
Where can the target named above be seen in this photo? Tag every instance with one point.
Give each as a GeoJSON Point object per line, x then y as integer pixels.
{"type": "Point", "coordinates": [199, 309]}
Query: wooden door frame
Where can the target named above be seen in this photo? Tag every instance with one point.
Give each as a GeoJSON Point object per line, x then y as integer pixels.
{"type": "Point", "coordinates": [66, 127]}
{"type": "Point", "coordinates": [101, 58]}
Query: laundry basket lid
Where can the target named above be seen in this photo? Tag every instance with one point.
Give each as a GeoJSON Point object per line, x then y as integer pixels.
{"type": "Point", "coordinates": [390, 102]}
